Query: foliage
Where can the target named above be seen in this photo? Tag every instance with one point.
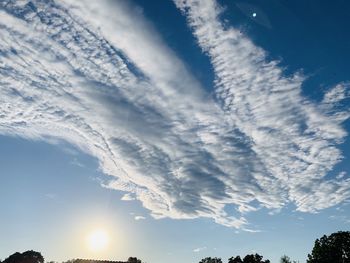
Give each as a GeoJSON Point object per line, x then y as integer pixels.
{"type": "Point", "coordinates": [286, 259]}
{"type": "Point", "coordinates": [235, 260]}
{"type": "Point", "coordinates": [254, 259]}
{"type": "Point", "coordinates": [211, 260]}
{"type": "Point", "coordinates": [133, 260]}
{"type": "Point", "coordinates": [29, 256]}
{"type": "Point", "coordinates": [334, 248]}
{"type": "Point", "coordinates": [248, 259]}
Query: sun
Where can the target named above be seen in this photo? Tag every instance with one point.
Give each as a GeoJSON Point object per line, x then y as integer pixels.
{"type": "Point", "coordinates": [98, 240]}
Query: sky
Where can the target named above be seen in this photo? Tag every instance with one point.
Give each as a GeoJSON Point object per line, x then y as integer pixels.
{"type": "Point", "coordinates": [182, 129]}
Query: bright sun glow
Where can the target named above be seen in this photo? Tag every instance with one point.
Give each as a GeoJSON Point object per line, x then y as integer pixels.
{"type": "Point", "coordinates": [98, 240]}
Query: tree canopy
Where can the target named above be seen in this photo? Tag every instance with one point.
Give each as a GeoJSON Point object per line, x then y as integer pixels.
{"type": "Point", "coordinates": [252, 258]}
{"type": "Point", "coordinates": [286, 259]}
{"type": "Point", "coordinates": [211, 260]}
{"type": "Point", "coordinates": [133, 260]}
{"type": "Point", "coordinates": [29, 256]}
{"type": "Point", "coordinates": [235, 260]}
{"type": "Point", "coordinates": [334, 248]}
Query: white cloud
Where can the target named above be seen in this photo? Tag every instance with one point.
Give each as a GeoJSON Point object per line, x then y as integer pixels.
{"type": "Point", "coordinates": [128, 197]}
{"type": "Point", "coordinates": [341, 175]}
{"type": "Point", "coordinates": [146, 128]}
{"type": "Point", "coordinates": [293, 139]}
{"type": "Point", "coordinates": [199, 249]}
{"type": "Point", "coordinates": [338, 93]}
{"type": "Point", "coordinates": [100, 77]}
{"type": "Point", "coordinates": [138, 218]}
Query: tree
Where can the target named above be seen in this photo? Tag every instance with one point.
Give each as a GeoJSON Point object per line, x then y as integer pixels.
{"type": "Point", "coordinates": [29, 256]}
{"type": "Point", "coordinates": [248, 259]}
{"type": "Point", "coordinates": [235, 260]}
{"type": "Point", "coordinates": [286, 259]}
{"type": "Point", "coordinates": [254, 259]}
{"type": "Point", "coordinates": [211, 260]}
{"type": "Point", "coordinates": [334, 248]}
{"type": "Point", "coordinates": [133, 260]}
{"type": "Point", "coordinates": [15, 257]}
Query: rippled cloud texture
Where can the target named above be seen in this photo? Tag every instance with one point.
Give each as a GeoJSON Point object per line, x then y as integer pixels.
{"type": "Point", "coordinates": [98, 75]}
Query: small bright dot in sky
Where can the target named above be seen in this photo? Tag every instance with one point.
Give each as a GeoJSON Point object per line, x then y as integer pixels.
{"type": "Point", "coordinates": [254, 14]}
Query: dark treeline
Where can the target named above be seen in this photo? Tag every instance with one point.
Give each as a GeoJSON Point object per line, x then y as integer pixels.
{"type": "Point", "coordinates": [31, 256]}
{"type": "Point", "coordinates": [334, 248]}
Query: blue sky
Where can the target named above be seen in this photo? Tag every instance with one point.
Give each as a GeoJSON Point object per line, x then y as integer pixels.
{"type": "Point", "coordinates": [185, 129]}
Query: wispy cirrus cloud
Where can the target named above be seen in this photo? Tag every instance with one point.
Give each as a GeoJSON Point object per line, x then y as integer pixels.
{"type": "Point", "coordinates": [339, 93]}
{"type": "Point", "coordinates": [109, 85]}
{"type": "Point", "coordinates": [146, 127]}
{"type": "Point", "coordinates": [294, 139]}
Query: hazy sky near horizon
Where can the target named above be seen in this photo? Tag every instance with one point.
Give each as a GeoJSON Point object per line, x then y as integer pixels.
{"type": "Point", "coordinates": [182, 128]}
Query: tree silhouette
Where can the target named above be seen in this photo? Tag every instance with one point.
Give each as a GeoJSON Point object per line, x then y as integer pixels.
{"type": "Point", "coordinates": [254, 259]}
{"type": "Point", "coordinates": [248, 259]}
{"type": "Point", "coordinates": [235, 260]}
{"type": "Point", "coordinates": [133, 260]}
{"type": "Point", "coordinates": [286, 259]}
{"type": "Point", "coordinates": [211, 260]}
{"type": "Point", "coordinates": [334, 248]}
{"type": "Point", "coordinates": [29, 256]}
